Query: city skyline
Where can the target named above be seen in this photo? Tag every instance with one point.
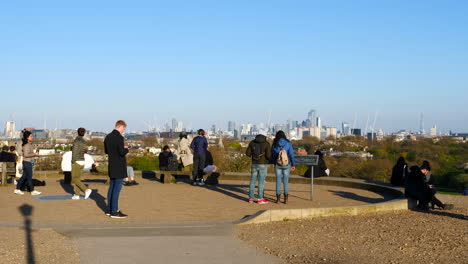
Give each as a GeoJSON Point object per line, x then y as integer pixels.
{"type": "Point", "coordinates": [89, 64]}
{"type": "Point", "coordinates": [176, 125]}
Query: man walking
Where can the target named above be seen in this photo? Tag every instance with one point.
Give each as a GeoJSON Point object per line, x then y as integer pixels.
{"type": "Point", "coordinates": [78, 161]}
{"type": "Point", "coordinates": [199, 146]}
{"type": "Point", "coordinates": [116, 151]}
{"type": "Point", "coordinates": [260, 151]}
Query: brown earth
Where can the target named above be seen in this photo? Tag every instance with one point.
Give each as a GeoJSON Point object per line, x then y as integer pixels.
{"type": "Point", "coordinates": [48, 247]}
{"type": "Point", "coordinates": [149, 202]}
{"type": "Point", "coordinates": [436, 236]}
{"type": "Point", "coordinates": [153, 202]}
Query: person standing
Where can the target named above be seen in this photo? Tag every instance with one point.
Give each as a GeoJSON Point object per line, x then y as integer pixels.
{"type": "Point", "coordinates": [260, 151]}
{"type": "Point", "coordinates": [116, 151]}
{"type": "Point", "coordinates": [28, 162]}
{"type": "Point", "coordinates": [399, 172]}
{"type": "Point", "coordinates": [184, 153]}
{"type": "Point", "coordinates": [199, 146]}
{"type": "Point", "coordinates": [78, 161]}
{"type": "Point", "coordinates": [283, 158]}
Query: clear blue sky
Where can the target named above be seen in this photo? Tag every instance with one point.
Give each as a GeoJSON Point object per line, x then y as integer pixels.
{"type": "Point", "coordinates": [90, 63]}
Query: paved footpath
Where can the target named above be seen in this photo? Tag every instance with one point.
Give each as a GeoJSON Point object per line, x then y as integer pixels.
{"type": "Point", "coordinates": [193, 243]}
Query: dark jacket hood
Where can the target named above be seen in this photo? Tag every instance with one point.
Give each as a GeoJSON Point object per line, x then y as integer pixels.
{"type": "Point", "coordinates": [260, 139]}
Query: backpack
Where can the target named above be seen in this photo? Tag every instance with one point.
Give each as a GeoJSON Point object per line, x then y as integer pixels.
{"type": "Point", "coordinates": [283, 159]}
{"type": "Point", "coordinates": [257, 152]}
{"type": "Point", "coordinates": [212, 179]}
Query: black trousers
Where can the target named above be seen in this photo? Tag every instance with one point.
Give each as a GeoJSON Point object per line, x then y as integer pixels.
{"type": "Point", "coordinates": [67, 177]}
{"type": "Point", "coordinates": [198, 166]}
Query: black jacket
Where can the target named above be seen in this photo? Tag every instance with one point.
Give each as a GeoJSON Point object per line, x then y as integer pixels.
{"type": "Point", "coordinates": [415, 184]}
{"type": "Point", "coordinates": [399, 172]}
{"type": "Point", "coordinates": [319, 170]}
{"type": "Point", "coordinates": [264, 150]}
{"type": "Point", "coordinates": [7, 157]}
{"type": "Point", "coordinates": [164, 160]}
{"type": "Point", "coordinates": [209, 159]}
{"type": "Point", "coordinates": [114, 147]}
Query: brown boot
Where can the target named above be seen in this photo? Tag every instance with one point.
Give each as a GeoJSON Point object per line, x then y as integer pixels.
{"type": "Point", "coordinates": [286, 198]}
{"type": "Point", "coordinates": [278, 197]}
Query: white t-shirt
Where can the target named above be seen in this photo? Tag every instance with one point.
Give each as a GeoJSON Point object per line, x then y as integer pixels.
{"type": "Point", "coordinates": [66, 162]}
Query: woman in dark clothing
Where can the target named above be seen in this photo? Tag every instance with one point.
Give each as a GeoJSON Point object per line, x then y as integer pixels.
{"type": "Point", "coordinates": [432, 190]}
{"type": "Point", "coordinates": [321, 169]}
{"type": "Point", "coordinates": [399, 172]}
{"type": "Point", "coordinates": [417, 187]}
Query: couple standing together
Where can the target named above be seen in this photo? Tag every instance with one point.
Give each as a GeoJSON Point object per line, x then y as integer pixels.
{"type": "Point", "coordinates": [281, 154]}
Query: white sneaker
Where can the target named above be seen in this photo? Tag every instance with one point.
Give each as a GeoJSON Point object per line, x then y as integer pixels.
{"type": "Point", "coordinates": [35, 193]}
{"type": "Point", "coordinates": [201, 183]}
{"type": "Point", "coordinates": [18, 192]}
{"type": "Point", "coordinates": [88, 193]}
{"type": "Point", "coordinates": [75, 197]}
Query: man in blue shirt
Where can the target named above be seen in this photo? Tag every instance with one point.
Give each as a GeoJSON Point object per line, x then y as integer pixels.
{"type": "Point", "coordinates": [199, 146]}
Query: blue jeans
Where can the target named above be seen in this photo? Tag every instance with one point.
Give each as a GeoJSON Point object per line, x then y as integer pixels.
{"type": "Point", "coordinates": [258, 171]}
{"type": "Point", "coordinates": [282, 175]}
{"type": "Point", "coordinates": [26, 178]}
{"type": "Point", "coordinates": [113, 194]}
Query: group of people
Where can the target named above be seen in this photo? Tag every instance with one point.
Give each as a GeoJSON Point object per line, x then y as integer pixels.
{"type": "Point", "coordinates": [418, 184]}
{"type": "Point", "coordinates": [117, 166]}
{"type": "Point", "coordinates": [195, 156]}
{"type": "Point", "coordinates": [190, 156]}
{"type": "Point", "coordinates": [281, 154]}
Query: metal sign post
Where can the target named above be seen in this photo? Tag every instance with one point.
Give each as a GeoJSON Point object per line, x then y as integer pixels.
{"type": "Point", "coordinates": [311, 161]}
{"type": "Point", "coordinates": [311, 182]}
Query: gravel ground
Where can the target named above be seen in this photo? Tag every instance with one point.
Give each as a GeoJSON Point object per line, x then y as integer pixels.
{"type": "Point", "coordinates": [152, 202]}
{"type": "Point", "coordinates": [394, 237]}
{"type": "Point", "coordinates": [48, 247]}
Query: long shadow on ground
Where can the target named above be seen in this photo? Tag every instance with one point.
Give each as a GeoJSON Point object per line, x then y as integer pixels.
{"type": "Point", "coordinates": [353, 196]}
{"type": "Point", "coordinates": [443, 213]}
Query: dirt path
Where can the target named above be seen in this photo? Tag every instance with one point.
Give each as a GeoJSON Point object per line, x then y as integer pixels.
{"type": "Point", "coordinates": [394, 237]}
{"type": "Point", "coordinates": [153, 202]}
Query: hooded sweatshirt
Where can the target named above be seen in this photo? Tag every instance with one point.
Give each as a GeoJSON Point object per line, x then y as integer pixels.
{"type": "Point", "coordinates": [286, 145]}
{"type": "Point", "coordinates": [264, 149]}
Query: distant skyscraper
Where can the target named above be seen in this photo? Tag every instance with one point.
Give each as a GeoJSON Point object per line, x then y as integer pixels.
{"type": "Point", "coordinates": [356, 131]}
{"type": "Point", "coordinates": [318, 122]}
{"type": "Point", "coordinates": [345, 129]}
{"type": "Point", "coordinates": [174, 124]}
{"type": "Point", "coordinates": [231, 126]}
{"type": "Point", "coordinates": [180, 126]}
{"type": "Point", "coordinates": [311, 116]}
{"type": "Point", "coordinates": [10, 129]}
{"type": "Point", "coordinates": [421, 125]}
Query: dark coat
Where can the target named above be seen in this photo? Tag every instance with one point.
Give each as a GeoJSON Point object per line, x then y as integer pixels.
{"type": "Point", "coordinates": [264, 150]}
{"type": "Point", "coordinates": [399, 173]}
{"type": "Point", "coordinates": [114, 147]}
{"type": "Point", "coordinates": [319, 170]}
{"type": "Point", "coordinates": [415, 185]}
{"type": "Point", "coordinates": [209, 159]}
{"type": "Point", "coordinates": [7, 157]}
{"type": "Point", "coordinates": [164, 160]}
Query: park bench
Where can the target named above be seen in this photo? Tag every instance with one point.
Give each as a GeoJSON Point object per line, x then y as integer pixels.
{"type": "Point", "coordinates": [7, 169]}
